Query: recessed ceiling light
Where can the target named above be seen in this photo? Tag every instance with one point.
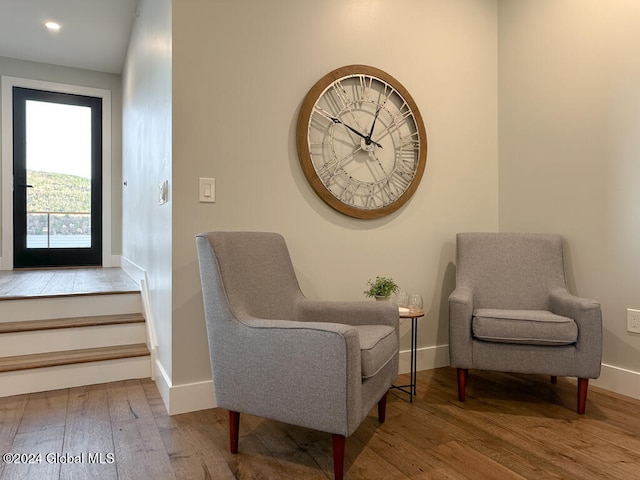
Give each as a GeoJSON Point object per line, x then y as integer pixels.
{"type": "Point", "coordinates": [52, 26]}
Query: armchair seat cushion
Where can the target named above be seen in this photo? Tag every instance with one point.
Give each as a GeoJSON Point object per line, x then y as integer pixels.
{"type": "Point", "coordinates": [378, 346]}
{"type": "Point", "coordinates": [528, 327]}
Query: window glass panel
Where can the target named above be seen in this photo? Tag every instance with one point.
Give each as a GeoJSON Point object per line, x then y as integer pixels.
{"type": "Point", "coordinates": [58, 157]}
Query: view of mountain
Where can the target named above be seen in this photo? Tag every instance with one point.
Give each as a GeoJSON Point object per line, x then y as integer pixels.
{"type": "Point", "coordinates": [57, 192]}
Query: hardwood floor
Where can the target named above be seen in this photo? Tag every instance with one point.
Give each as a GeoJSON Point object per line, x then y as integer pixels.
{"type": "Point", "coordinates": [510, 427]}
{"type": "Point", "coordinates": [25, 283]}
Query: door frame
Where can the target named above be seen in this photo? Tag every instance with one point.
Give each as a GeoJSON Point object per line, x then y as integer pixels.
{"type": "Point", "coordinates": [6, 159]}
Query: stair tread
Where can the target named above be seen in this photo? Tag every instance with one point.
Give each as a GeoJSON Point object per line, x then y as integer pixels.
{"type": "Point", "coordinates": [36, 296]}
{"type": "Point", "coordinates": [85, 355]}
{"type": "Point", "coordinates": [99, 320]}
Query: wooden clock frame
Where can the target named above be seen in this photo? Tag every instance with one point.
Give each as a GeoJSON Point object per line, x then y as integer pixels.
{"type": "Point", "coordinates": [304, 148]}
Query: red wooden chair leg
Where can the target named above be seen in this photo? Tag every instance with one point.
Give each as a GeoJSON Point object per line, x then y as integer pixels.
{"type": "Point", "coordinates": [462, 383]}
{"type": "Point", "coordinates": [583, 386]}
{"type": "Point", "coordinates": [382, 409]}
{"type": "Point", "coordinates": [234, 430]}
{"type": "Point", "coordinates": [338, 456]}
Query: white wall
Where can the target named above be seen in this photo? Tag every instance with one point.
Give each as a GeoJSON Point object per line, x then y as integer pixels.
{"type": "Point", "coordinates": [85, 78]}
{"type": "Point", "coordinates": [569, 86]}
{"type": "Point", "coordinates": [240, 72]}
{"type": "Point", "coordinates": [147, 161]}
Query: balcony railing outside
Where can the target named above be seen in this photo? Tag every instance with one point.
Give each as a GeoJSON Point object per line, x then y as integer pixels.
{"type": "Point", "coordinates": [58, 229]}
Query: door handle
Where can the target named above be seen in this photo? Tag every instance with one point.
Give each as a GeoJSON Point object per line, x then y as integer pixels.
{"type": "Point", "coordinates": [26, 186]}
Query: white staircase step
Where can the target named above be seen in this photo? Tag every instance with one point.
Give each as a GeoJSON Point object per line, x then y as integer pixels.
{"type": "Point", "coordinates": [68, 328]}
{"type": "Point", "coordinates": [69, 357]}
{"type": "Point", "coordinates": [42, 336]}
{"type": "Point", "coordinates": [91, 368]}
{"type": "Point", "coordinates": [68, 306]}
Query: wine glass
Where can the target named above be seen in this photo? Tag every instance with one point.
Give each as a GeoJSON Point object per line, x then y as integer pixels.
{"type": "Point", "coordinates": [415, 302]}
{"type": "Point", "coordinates": [402, 299]}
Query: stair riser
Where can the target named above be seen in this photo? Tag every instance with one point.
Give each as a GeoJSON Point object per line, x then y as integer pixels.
{"type": "Point", "coordinates": [67, 376]}
{"type": "Point", "coordinates": [69, 307]}
{"type": "Point", "coordinates": [42, 341]}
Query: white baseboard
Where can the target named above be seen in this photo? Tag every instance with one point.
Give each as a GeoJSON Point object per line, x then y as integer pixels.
{"type": "Point", "coordinates": [619, 380]}
{"type": "Point", "coordinates": [160, 376]}
{"type": "Point", "coordinates": [612, 378]}
{"type": "Point", "coordinates": [427, 358]}
{"type": "Point", "coordinates": [139, 275]}
{"type": "Point", "coordinates": [134, 271]}
{"type": "Point", "coordinates": [192, 397]}
{"type": "Point", "coordinates": [177, 398]}
{"type": "Point", "coordinates": [200, 395]}
{"type": "Point", "coordinates": [184, 398]}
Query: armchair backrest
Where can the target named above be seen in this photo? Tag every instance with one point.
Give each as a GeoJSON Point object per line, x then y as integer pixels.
{"type": "Point", "coordinates": [255, 272]}
{"type": "Point", "coordinates": [510, 270]}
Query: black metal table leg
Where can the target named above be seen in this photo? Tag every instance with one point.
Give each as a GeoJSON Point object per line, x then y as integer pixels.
{"type": "Point", "coordinates": [413, 357]}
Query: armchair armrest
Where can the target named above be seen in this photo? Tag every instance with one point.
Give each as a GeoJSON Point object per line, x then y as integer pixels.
{"type": "Point", "coordinates": [562, 302]}
{"type": "Point", "coordinates": [460, 336]}
{"type": "Point", "coordinates": [587, 314]}
{"type": "Point", "coordinates": [303, 373]}
{"type": "Point", "coordinates": [349, 313]}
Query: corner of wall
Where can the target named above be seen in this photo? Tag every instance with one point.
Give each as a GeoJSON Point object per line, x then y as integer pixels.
{"type": "Point", "coordinates": [177, 398]}
{"type": "Point", "coordinates": [184, 398]}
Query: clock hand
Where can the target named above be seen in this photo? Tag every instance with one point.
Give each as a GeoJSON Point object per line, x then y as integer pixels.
{"type": "Point", "coordinates": [374, 122]}
{"type": "Point", "coordinates": [337, 120]}
{"type": "Point", "coordinates": [367, 139]}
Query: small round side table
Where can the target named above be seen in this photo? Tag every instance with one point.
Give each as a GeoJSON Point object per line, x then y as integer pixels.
{"type": "Point", "coordinates": [414, 315]}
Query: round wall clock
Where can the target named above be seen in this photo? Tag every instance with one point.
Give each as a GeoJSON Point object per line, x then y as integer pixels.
{"type": "Point", "coordinates": [361, 141]}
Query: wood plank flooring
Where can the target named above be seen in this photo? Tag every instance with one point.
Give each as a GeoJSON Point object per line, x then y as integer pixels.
{"type": "Point", "coordinates": [26, 283]}
{"type": "Point", "coordinates": [510, 427]}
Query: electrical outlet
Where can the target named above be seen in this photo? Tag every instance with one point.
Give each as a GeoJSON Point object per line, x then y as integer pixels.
{"type": "Point", "coordinates": [633, 320]}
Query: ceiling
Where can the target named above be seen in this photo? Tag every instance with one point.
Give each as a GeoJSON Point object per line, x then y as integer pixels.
{"type": "Point", "coordinates": [94, 33]}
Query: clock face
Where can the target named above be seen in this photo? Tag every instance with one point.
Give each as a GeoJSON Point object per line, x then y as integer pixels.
{"type": "Point", "coordinates": [361, 141]}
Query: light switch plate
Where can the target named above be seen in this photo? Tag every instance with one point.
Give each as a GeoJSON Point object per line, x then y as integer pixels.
{"type": "Point", "coordinates": [207, 190]}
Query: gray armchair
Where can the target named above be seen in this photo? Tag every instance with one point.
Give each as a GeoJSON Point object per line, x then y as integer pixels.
{"type": "Point", "coordinates": [511, 311]}
{"type": "Point", "coordinates": [278, 355]}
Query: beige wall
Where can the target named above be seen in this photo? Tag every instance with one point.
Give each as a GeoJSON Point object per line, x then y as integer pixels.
{"type": "Point", "coordinates": [85, 78]}
{"type": "Point", "coordinates": [225, 103]}
{"type": "Point", "coordinates": [240, 71]}
{"type": "Point", "coordinates": [569, 83]}
{"type": "Point", "coordinates": [147, 226]}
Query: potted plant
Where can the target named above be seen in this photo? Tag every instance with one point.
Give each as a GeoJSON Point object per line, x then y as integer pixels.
{"type": "Point", "coordinates": [381, 288]}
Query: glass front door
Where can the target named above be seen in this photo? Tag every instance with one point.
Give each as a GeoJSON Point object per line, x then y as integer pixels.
{"type": "Point", "coordinates": [57, 179]}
